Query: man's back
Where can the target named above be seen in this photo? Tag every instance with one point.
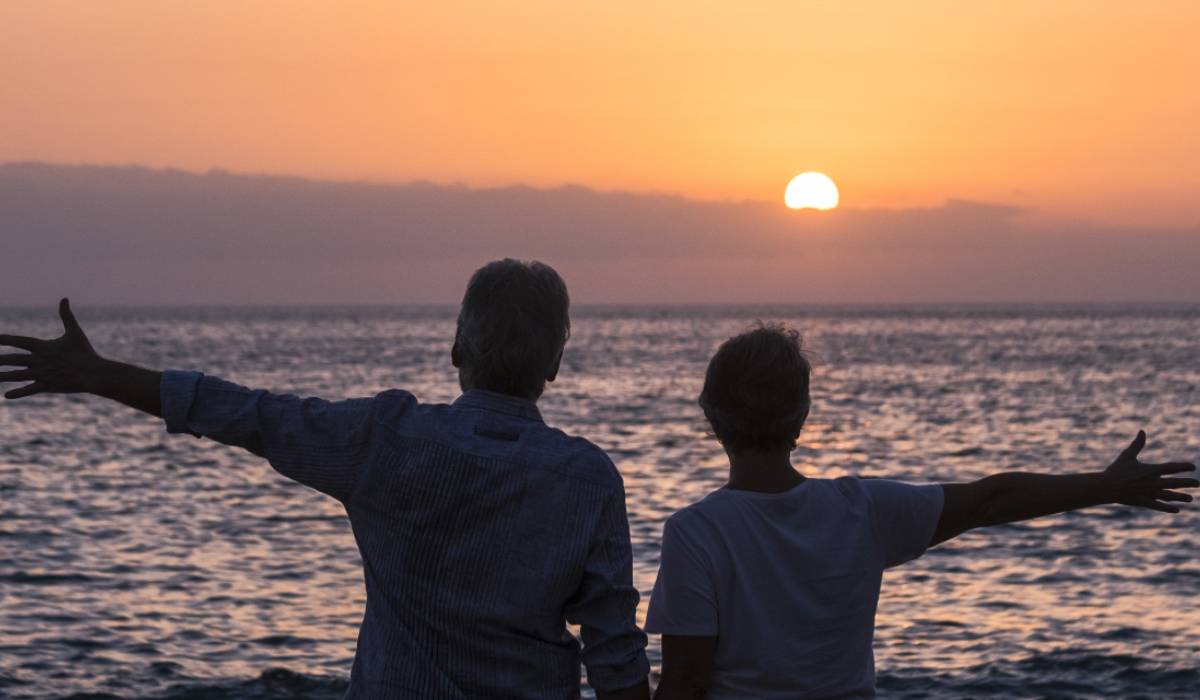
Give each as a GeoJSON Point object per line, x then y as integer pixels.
{"type": "Point", "coordinates": [480, 530]}
{"type": "Point", "coordinates": [475, 522]}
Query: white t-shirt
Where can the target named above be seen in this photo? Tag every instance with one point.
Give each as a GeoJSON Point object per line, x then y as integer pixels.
{"type": "Point", "coordinates": [789, 582]}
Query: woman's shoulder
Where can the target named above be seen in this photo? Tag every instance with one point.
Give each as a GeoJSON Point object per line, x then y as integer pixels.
{"type": "Point", "coordinates": [702, 514]}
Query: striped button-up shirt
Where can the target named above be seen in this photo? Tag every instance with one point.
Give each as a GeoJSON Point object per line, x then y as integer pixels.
{"type": "Point", "coordinates": [482, 531]}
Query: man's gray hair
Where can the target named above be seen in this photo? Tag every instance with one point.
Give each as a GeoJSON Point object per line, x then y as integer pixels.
{"type": "Point", "coordinates": [512, 327]}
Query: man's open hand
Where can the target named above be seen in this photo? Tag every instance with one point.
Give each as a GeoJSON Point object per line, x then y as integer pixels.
{"type": "Point", "coordinates": [64, 365]}
{"type": "Point", "coordinates": [1148, 485]}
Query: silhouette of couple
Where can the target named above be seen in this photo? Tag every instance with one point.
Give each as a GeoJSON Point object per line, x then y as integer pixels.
{"type": "Point", "coordinates": [483, 531]}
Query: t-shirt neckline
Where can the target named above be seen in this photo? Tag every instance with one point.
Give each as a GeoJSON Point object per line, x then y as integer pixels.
{"type": "Point", "coordinates": [763, 495]}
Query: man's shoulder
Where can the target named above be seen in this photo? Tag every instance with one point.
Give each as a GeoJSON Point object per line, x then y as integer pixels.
{"type": "Point", "coordinates": [397, 397]}
{"type": "Point", "coordinates": [548, 447]}
{"type": "Point", "coordinates": [576, 457]}
{"type": "Point", "coordinates": [397, 403]}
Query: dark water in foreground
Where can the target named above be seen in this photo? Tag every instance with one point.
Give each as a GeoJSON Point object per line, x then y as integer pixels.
{"type": "Point", "coordinates": [138, 565]}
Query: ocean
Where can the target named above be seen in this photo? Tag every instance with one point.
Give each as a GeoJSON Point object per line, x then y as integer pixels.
{"type": "Point", "coordinates": [134, 564]}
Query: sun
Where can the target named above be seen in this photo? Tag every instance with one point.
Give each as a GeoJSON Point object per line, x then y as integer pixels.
{"type": "Point", "coordinates": [811, 191]}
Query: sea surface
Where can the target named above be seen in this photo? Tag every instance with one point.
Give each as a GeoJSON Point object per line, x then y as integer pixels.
{"type": "Point", "coordinates": [134, 564]}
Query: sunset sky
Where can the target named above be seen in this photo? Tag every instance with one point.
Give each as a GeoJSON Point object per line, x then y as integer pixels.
{"type": "Point", "coordinates": [1076, 113]}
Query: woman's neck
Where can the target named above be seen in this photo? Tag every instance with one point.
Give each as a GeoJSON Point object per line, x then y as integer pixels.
{"type": "Point", "coordinates": [763, 472]}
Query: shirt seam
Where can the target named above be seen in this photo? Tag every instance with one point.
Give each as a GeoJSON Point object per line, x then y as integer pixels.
{"type": "Point", "coordinates": [522, 461]}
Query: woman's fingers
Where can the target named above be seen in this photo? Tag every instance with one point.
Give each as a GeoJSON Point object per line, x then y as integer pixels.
{"type": "Point", "coordinates": [20, 341]}
{"type": "Point", "coordinates": [1160, 507]}
{"type": "Point", "coordinates": [27, 390]}
{"type": "Point", "coordinates": [1176, 483]}
{"type": "Point", "coordinates": [22, 375]}
{"type": "Point", "coordinates": [1164, 495]}
{"type": "Point", "coordinates": [1135, 447]}
{"type": "Point", "coordinates": [21, 360]}
{"type": "Point", "coordinates": [1171, 467]}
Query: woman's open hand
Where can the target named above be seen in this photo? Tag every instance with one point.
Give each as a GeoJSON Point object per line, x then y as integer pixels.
{"type": "Point", "coordinates": [1136, 483]}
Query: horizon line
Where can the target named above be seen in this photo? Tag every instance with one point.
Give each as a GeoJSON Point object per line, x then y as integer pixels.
{"type": "Point", "coordinates": [612, 304]}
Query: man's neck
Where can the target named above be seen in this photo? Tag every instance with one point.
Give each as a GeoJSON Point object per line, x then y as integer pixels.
{"type": "Point", "coordinates": [763, 472]}
{"type": "Point", "coordinates": [530, 399]}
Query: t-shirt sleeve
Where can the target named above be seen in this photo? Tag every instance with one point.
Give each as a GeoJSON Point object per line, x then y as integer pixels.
{"type": "Point", "coordinates": [905, 517]}
{"type": "Point", "coordinates": [684, 600]}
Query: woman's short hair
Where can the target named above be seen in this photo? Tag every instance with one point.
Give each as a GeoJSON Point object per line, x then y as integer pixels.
{"type": "Point", "coordinates": [756, 394]}
{"type": "Point", "coordinates": [512, 327]}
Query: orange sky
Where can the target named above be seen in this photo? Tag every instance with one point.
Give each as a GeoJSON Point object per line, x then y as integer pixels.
{"type": "Point", "coordinates": [1076, 110]}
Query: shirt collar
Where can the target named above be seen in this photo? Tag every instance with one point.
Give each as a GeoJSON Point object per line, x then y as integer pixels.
{"type": "Point", "coordinates": [499, 403]}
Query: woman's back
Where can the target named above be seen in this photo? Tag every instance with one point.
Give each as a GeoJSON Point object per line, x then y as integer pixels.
{"type": "Point", "coordinates": [788, 582]}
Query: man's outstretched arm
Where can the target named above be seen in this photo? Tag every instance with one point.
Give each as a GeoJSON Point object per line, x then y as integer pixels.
{"type": "Point", "coordinates": [1010, 497]}
{"type": "Point", "coordinates": [316, 442]}
{"type": "Point", "coordinates": [69, 365]}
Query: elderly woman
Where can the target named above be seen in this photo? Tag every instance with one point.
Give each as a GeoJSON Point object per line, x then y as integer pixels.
{"type": "Point", "coordinates": [768, 586]}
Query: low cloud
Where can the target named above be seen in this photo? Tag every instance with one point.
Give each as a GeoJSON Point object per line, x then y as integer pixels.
{"type": "Point", "coordinates": [134, 235]}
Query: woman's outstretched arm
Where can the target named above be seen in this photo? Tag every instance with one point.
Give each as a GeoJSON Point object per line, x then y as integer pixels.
{"type": "Point", "coordinates": [1014, 496]}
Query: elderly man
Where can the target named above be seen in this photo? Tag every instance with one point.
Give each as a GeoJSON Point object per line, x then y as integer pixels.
{"type": "Point", "coordinates": [482, 530]}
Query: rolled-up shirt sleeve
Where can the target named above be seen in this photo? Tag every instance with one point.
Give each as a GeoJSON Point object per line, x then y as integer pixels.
{"type": "Point", "coordinates": [605, 607]}
{"type": "Point", "coordinates": [318, 443]}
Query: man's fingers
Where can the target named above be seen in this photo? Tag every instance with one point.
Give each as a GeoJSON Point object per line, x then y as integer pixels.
{"type": "Point", "coordinates": [27, 390]}
{"type": "Point", "coordinates": [68, 317]}
{"type": "Point", "coordinates": [20, 341]}
{"type": "Point", "coordinates": [21, 375]}
{"type": "Point", "coordinates": [21, 360]}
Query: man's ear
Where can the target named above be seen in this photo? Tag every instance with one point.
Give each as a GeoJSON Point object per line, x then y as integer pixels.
{"type": "Point", "coordinates": [553, 374]}
{"type": "Point", "coordinates": [456, 355]}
